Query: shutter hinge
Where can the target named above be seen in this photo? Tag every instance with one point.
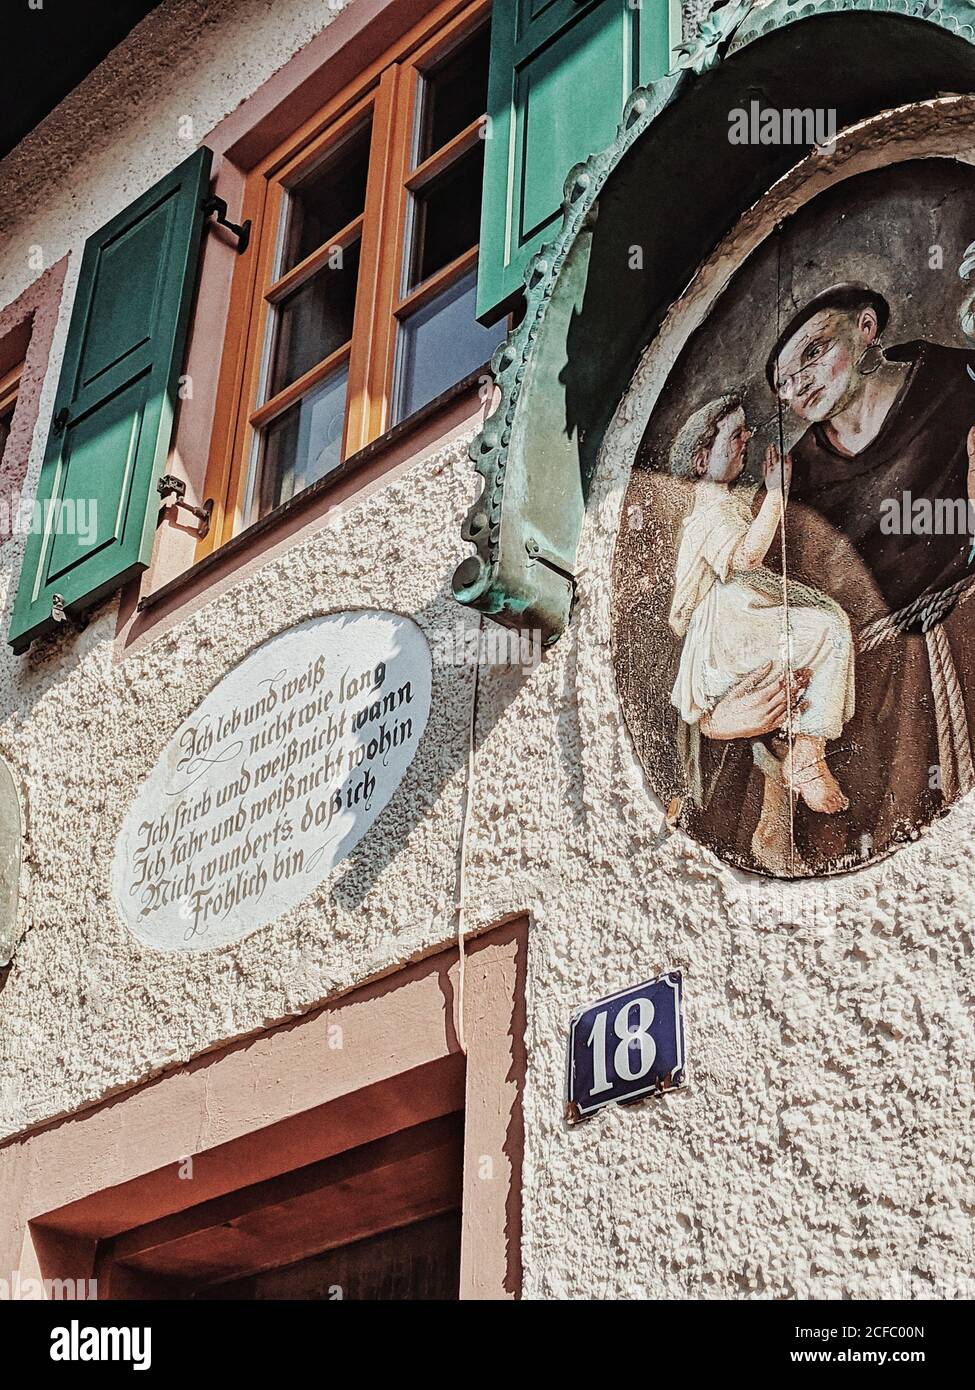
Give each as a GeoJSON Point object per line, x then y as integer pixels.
{"type": "Point", "coordinates": [169, 483]}
{"type": "Point", "coordinates": [61, 420]}
{"type": "Point", "coordinates": [242, 231]}
{"type": "Point", "coordinates": [60, 616]}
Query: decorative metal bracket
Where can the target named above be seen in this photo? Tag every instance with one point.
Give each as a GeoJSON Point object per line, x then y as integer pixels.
{"type": "Point", "coordinates": [714, 34]}
{"type": "Point", "coordinates": [242, 231]}
{"type": "Point", "coordinates": [526, 522]}
{"type": "Point", "coordinates": [558, 379]}
{"type": "Point", "coordinates": [168, 483]}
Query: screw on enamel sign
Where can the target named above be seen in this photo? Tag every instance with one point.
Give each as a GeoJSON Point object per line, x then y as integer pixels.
{"type": "Point", "coordinates": [628, 1045]}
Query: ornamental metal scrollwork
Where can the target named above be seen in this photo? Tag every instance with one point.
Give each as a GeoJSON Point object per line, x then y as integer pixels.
{"type": "Point", "coordinates": [525, 523]}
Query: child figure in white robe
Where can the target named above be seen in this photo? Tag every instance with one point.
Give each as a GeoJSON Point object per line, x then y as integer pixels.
{"type": "Point", "coordinates": [729, 607]}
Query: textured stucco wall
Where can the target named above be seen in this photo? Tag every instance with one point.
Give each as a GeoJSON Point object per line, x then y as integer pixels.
{"type": "Point", "coordinates": [822, 1147]}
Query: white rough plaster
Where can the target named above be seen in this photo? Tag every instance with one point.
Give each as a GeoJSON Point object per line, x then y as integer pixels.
{"type": "Point", "coordinates": [823, 1145]}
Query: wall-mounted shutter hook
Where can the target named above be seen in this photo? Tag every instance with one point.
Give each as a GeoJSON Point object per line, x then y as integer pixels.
{"type": "Point", "coordinates": [169, 483]}
{"type": "Point", "coordinates": [241, 231]}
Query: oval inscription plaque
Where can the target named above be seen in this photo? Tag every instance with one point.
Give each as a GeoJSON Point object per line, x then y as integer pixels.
{"type": "Point", "coordinates": [273, 779]}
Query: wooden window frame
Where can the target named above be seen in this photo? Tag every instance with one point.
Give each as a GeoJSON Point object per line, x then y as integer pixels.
{"type": "Point", "coordinates": [10, 389]}
{"type": "Point", "coordinates": [385, 93]}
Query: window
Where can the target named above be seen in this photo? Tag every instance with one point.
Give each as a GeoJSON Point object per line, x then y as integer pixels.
{"type": "Point", "coordinates": [439, 340]}
{"type": "Point", "coordinates": [299, 425]}
{"type": "Point", "coordinates": [26, 329]}
{"type": "Point", "coordinates": [9, 386]}
{"type": "Point", "coordinates": [364, 272]}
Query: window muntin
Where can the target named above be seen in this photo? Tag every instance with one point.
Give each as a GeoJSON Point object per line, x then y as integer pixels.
{"type": "Point", "coordinates": [298, 424]}
{"type": "Point", "coordinates": [453, 94]}
{"type": "Point", "coordinates": [326, 198]}
{"type": "Point", "coordinates": [314, 321]}
{"type": "Point", "coordinates": [302, 444]}
{"type": "Point", "coordinates": [446, 214]}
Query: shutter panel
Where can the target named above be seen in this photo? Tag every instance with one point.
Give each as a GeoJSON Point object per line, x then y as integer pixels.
{"type": "Point", "coordinates": [115, 403]}
{"type": "Point", "coordinates": [560, 74]}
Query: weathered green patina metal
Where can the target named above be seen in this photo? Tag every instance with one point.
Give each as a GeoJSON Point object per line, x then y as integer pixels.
{"type": "Point", "coordinates": [668, 188]}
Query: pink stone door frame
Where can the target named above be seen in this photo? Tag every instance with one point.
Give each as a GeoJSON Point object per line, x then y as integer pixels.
{"type": "Point", "coordinates": [288, 1097]}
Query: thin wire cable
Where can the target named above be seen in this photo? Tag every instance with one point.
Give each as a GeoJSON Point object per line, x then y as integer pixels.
{"type": "Point", "coordinates": [462, 869]}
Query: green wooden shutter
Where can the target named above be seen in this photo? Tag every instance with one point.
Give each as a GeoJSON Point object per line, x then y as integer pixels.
{"type": "Point", "coordinates": [561, 71]}
{"type": "Point", "coordinates": [113, 413]}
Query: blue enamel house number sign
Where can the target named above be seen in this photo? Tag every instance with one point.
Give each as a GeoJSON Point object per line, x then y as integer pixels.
{"type": "Point", "coordinates": [627, 1045]}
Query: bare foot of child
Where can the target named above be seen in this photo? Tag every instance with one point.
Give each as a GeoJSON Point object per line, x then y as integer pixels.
{"type": "Point", "coordinates": [811, 778]}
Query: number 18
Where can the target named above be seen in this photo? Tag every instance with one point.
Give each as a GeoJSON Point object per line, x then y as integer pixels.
{"type": "Point", "coordinates": [631, 1035]}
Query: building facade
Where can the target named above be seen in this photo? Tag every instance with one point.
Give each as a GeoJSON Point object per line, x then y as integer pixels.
{"type": "Point", "coordinates": [321, 826]}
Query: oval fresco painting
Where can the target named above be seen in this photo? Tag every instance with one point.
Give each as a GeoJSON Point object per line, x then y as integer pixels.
{"type": "Point", "coordinates": [794, 637]}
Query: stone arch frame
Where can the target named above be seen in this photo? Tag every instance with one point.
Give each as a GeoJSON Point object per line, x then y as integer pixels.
{"type": "Point", "coordinates": [563, 371]}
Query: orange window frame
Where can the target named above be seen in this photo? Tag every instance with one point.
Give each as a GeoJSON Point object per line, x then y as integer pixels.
{"type": "Point", "coordinates": [386, 95]}
{"type": "Point", "coordinates": [9, 390]}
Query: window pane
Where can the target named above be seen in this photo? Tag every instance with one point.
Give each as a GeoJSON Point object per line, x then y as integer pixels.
{"type": "Point", "coordinates": [447, 216]}
{"type": "Point", "coordinates": [326, 199]}
{"type": "Point", "coordinates": [314, 320]}
{"type": "Point", "coordinates": [454, 94]}
{"type": "Point", "coordinates": [301, 445]}
{"type": "Point", "coordinates": [440, 344]}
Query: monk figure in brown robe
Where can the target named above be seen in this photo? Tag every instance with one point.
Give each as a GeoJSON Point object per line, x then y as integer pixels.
{"type": "Point", "coordinates": [890, 436]}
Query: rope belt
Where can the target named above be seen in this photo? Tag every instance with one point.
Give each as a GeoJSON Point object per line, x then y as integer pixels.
{"type": "Point", "coordinates": [929, 611]}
